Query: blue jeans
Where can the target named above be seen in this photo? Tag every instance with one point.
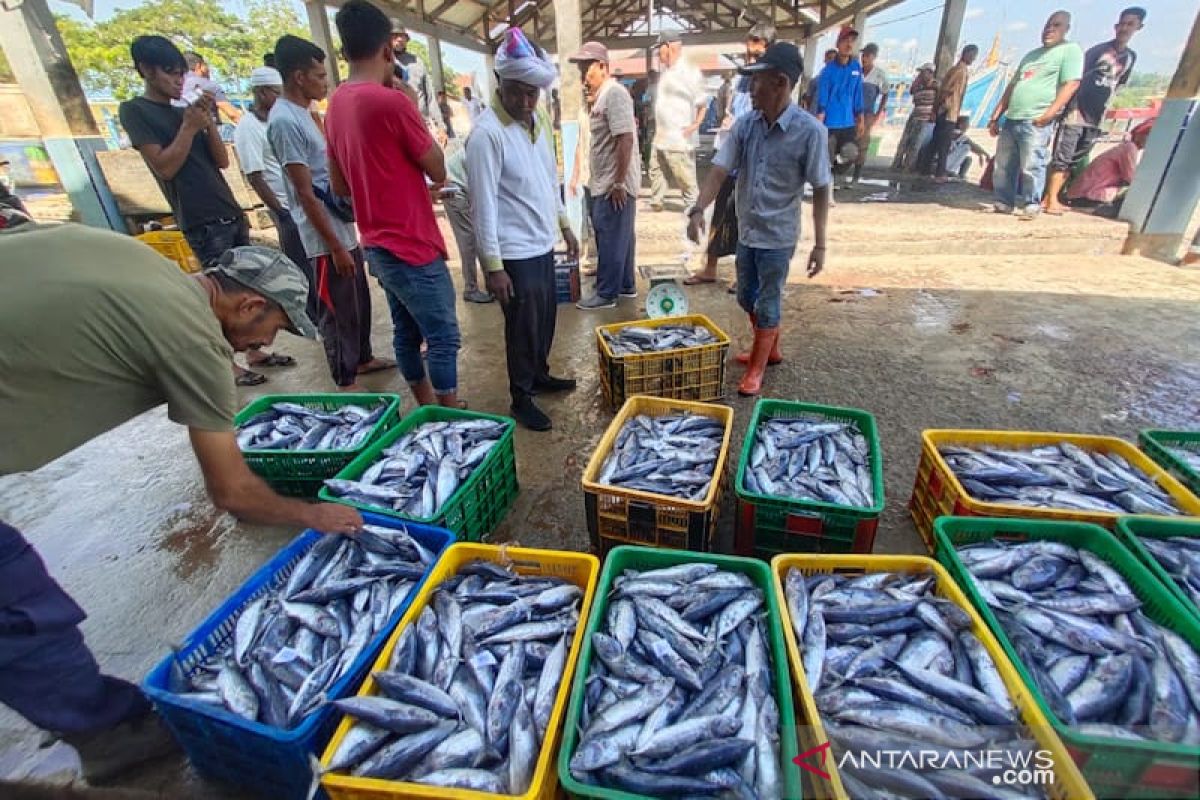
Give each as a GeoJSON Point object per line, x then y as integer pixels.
{"type": "Point", "coordinates": [47, 673]}
{"type": "Point", "coordinates": [421, 299]}
{"type": "Point", "coordinates": [1022, 152]}
{"type": "Point", "coordinates": [761, 274]}
{"type": "Point", "coordinates": [614, 246]}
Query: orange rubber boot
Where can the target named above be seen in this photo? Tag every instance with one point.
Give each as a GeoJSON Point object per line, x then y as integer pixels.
{"type": "Point", "coordinates": [776, 357]}
{"type": "Point", "coordinates": [764, 341]}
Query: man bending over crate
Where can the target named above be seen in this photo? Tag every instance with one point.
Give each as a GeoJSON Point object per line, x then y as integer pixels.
{"type": "Point", "coordinates": [775, 150]}
{"type": "Point", "coordinates": [85, 350]}
{"type": "Point", "coordinates": [518, 214]}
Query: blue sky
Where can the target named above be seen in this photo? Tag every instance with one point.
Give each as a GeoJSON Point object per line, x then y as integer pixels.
{"type": "Point", "coordinates": [907, 33]}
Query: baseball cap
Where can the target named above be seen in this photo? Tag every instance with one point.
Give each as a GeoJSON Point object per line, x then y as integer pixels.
{"type": "Point", "coordinates": [265, 76]}
{"type": "Point", "coordinates": [591, 51]}
{"type": "Point", "coordinates": [398, 28]}
{"type": "Point", "coordinates": [847, 31]}
{"type": "Point", "coordinates": [273, 275]}
{"type": "Point", "coordinates": [783, 56]}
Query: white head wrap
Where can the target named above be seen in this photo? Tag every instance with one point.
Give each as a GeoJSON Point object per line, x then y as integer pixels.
{"type": "Point", "coordinates": [266, 76]}
{"type": "Point", "coordinates": [518, 60]}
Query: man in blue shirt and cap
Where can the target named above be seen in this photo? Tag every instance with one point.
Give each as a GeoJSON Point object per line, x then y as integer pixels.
{"type": "Point", "coordinates": [775, 150]}
{"type": "Point", "coordinates": [840, 97]}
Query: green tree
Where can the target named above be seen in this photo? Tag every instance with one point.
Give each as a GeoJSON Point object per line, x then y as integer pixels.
{"type": "Point", "coordinates": [232, 45]}
{"type": "Point", "coordinates": [1141, 89]}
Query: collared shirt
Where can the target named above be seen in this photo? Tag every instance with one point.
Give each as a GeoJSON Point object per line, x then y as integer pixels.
{"type": "Point", "coordinates": [515, 204]}
{"type": "Point", "coordinates": [840, 93]}
{"type": "Point", "coordinates": [773, 165]}
{"type": "Point", "coordinates": [680, 93]}
{"type": "Point", "coordinates": [612, 116]}
{"type": "Point", "coordinates": [255, 155]}
{"type": "Point", "coordinates": [875, 86]}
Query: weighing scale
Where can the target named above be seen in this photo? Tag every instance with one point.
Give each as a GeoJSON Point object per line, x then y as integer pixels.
{"type": "Point", "coordinates": [666, 297]}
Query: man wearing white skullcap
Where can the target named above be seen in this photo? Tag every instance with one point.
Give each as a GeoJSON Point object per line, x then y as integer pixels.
{"type": "Point", "coordinates": [263, 172]}
{"type": "Point", "coordinates": [518, 214]}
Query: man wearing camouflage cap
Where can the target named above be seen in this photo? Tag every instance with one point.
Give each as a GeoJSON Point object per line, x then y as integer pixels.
{"type": "Point", "coordinates": [98, 328]}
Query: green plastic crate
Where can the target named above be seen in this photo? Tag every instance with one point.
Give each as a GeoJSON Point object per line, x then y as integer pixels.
{"type": "Point", "coordinates": [1155, 444]}
{"type": "Point", "coordinates": [479, 504]}
{"type": "Point", "coordinates": [643, 558]}
{"type": "Point", "coordinates": [301, 473]}
{"type": "Point", "coordinates": [767, 526]}
{"type": "Point", "coordinates": [1112, 767]}
{"type": "Point", "coordinates": [1130, 529]}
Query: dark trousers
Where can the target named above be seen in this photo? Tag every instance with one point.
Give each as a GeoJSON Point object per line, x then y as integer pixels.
{"type": "Point", "coordinates": [529, 320]}
{"type": "Point", "coordinates": [943, 136]}
{"type": "Point", "coordinates": [344, 316]}
{"type": "Point", "coordinates": [293, 247]}
{"type": "Point", "coordinates": [47, 673]}
{"type": "Point", "coordinates": [614, 246]}
{"type": "Point", "coordinates": [210, 240]}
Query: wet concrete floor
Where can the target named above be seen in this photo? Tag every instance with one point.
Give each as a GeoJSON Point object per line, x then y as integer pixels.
{"type": "Point", "coordinates": [942, 338]}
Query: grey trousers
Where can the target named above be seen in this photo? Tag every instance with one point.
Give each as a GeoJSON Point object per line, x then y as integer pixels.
{"type": "Point", "coordinates": [677, 167]}
{"type": "Point", "coordinates": [458, 213]}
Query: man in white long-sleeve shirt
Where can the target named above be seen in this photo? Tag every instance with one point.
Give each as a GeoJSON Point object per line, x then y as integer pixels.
{"type": "Point", "coordinates": [518, 213]}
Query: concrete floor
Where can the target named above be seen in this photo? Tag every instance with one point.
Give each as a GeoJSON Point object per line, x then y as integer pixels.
{"type": "Point", "coordinates": [930, 314]}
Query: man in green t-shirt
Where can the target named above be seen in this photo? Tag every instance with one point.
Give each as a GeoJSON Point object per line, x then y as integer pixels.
{"type": "Point", "coordinates": [98, 328]}
{"type": "Point", "coordinates": [1045, 81]}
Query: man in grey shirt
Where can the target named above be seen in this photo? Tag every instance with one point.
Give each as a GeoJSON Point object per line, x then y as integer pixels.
{"type": "Point", "coordinates": [776, 149]}
{"type": "Point", "coordinates": [416, 76]}
{"type": "Point", "coordinates": [325, 222]}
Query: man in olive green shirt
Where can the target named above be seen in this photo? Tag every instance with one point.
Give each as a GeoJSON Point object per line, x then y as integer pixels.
{"type": "Point", "coordinates": [97, 328]}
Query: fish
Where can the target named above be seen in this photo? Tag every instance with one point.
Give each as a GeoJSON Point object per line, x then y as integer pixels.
{"type": "Point", "coordinates": [1095, 656]}
{"type": "Point", "coordinates": [1061, 476]}
{"type": "Point", "coordinates": [635, 339]}
{"type": "Point", "coordinates": [289, 649]}
{"type": "Point", "coordinates": [912, 675]}
{"type": "Point", "coordinates": [422, 472]}
{"type": "Point", "coordinates": [1189, 457]}
{"type": "Point", "coordinates": [673, 455]}
{"type": "Point", "coordinates": [1179, 556]}
{"type": "Point", "coordinates": [483, 700]}
{"type": "Point", "coordinates": [294, 426]}
{"type": "Point", "coordinates": [813, 458]}
{"type": "Point", "coordinates": [700, 714]}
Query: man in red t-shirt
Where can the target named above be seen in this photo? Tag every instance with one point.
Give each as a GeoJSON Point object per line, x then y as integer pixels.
{"type": "Point", "coordinates": [380, 153]}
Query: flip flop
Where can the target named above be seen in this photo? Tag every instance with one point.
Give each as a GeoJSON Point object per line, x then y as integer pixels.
{"type": "Point", "coordinates": [250, 378]}
{"type": "Point", "coordinates": [696, 280]}
{"type": "Point", "coordinates": [275, 360]}
{"type": "Point", "coordinates": [376, 365]}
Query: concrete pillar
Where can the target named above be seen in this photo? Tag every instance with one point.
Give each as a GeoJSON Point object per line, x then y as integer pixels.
{"type": "Point", "coordinates": [1165, 192]}
{"type": "Point", "coordinates": [318, 25]}
{"type": "Point", "coordinates": [810, 59]}
{"type": "Point", "coordinates": [568, 37]}
{"type": "Point", "coordinates": [945, 55]}
{"type": "Point", "coordinates": [39, 60]}
{"type": "Point", "coordinates": [860, 25]}
{"type": "Point", "coordinates": [435, 62]}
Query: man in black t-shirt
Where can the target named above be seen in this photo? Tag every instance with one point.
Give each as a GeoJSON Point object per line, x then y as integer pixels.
{"type": "Point", "coordinates": [184, 151]}
{"type": "Point", "coordinates": [1106, 66]}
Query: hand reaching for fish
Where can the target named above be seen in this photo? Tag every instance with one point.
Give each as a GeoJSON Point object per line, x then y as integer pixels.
{"type": "Point", "coordinates": [334, 518]}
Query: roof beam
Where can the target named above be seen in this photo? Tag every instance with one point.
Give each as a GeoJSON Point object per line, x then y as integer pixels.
{"type": "Point", "coordinates": [727, 36]}
{"type": "Point", "coordinates": [451, 34]}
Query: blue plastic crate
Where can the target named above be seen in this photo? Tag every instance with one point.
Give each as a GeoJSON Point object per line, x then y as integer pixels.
{"type": "Point", "coordinates": [265, 761]}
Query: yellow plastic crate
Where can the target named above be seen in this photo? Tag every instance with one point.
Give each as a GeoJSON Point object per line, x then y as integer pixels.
{"type": "Point", "coordinates": [628, 516]}
{"type": "Point", "coordinates": [937, 492]}
{"type": "Point", "coordinates": [174, 246]}
{"type": "Point", "coordinates": [580, 569]}
{"type": "Point", "coordinates": [1069, 783]}
{"type": "Point", "coordinates": [690, 373]}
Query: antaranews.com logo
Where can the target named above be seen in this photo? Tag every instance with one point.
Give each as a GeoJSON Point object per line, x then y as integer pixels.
{"type": "Point", "coordinates": [1006, 767]}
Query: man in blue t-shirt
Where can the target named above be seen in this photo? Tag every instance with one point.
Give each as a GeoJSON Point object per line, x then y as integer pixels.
{"type": "Point", "coordinates": [839, 101]}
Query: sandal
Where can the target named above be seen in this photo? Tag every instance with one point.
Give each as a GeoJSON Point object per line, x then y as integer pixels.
{"type": "Point", "coordinates": [376, 365]}
{"type": "Point", "coordinates": [697, 279]}
{"type": "Point", "coordinates": [274, 360]}
{"type": "Point", "coordinates": [250, 378]}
